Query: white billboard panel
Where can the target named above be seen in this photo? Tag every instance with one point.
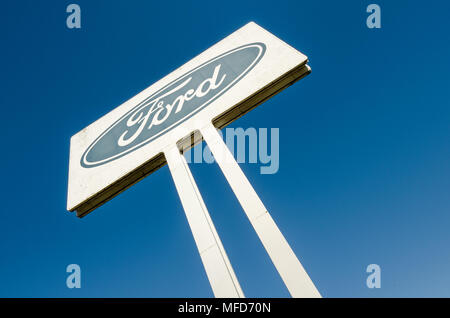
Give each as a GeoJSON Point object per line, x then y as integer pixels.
{"type": "Point", "coordinates": [218, 86]}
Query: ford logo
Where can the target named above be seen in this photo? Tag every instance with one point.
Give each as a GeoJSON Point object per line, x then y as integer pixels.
{"type": "Point", "coordinates": [173, 104]}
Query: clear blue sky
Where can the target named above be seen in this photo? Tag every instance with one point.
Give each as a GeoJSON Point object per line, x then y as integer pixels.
{"type": "Point", "coordinates": [364, 149]}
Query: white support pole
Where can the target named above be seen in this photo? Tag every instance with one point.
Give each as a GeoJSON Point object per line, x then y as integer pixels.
{"type": "Point", "coordinates": [289, 267]}
{"type": "Point", "coordinates": [218, 268]}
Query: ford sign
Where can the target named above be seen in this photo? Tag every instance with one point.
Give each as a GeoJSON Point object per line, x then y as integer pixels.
{"type": "Point", "coordinates": [173, 104]}
{"type": "Point", "coordinates": [216, 87]}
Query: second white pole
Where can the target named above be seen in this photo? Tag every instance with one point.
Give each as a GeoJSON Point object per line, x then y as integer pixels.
{"type": "Point", "coordinates": [287, 264]}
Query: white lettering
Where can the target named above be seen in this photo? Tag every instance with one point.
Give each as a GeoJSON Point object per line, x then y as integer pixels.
{"type": "Point", "coordinates": [163, 111]}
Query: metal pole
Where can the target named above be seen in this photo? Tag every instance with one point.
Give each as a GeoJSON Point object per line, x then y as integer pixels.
{"type": "Point", "coordinates": [287, 264]}
{"type": "Point", "coordinates": [222, 278]}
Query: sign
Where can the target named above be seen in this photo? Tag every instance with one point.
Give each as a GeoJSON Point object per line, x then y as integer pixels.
{"type": "Point", "coordinates": [146, 132]}
{"type": "Point", "coordinates": [218, 86]}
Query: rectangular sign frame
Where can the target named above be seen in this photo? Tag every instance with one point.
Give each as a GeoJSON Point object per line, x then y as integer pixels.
{"type": "Point", "coordinates": [91, 186]}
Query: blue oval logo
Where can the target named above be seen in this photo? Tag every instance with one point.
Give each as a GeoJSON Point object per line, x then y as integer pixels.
{"type": "Point", "coordinates": [173, 104]}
